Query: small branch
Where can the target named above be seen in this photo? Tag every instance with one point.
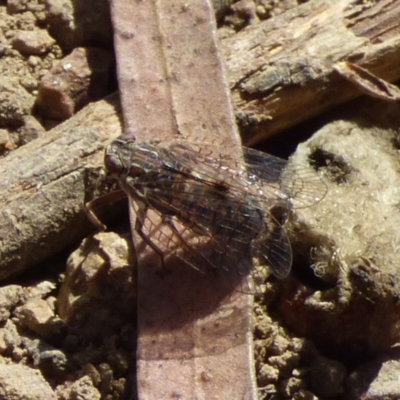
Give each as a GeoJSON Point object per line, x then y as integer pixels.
{"type": "Point", "coordinates": [282, 71]}
{"type": "Point", "coordinates": [44, 185]}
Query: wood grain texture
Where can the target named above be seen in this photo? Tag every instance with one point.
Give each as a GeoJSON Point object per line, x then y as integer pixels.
{"type": "Point", "coordinates": [282, 71]}
{"type": "Point", "coordinates": [45, 184]}
{"type": "Point", "coordinates": [194, 330]}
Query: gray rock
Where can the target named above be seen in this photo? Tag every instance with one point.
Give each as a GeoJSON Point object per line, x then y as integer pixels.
{"type": "Point", "coordinates": [15, 102]}
{"type": "Point", "coordinates": [376, 380]}
{"type": "Point", "coordinates": [19, 382]}
{"type": "Point", "coordinates": [9, 338]}
{"type": "Point", "coordinates": [10, 297]}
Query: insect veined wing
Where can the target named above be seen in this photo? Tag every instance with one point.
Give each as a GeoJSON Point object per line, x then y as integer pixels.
{"type": "Point", "coordinates": [299, 184]}
{"type": "Point", "coordinates": [302, 185]}
{"type": "Point", "coordinates": [267, 177]}
{"type": "Point", "coordinates": [261, 176]}
{"type": "Point", "coordinates": [273, 249]}
{"type": "Point", "coordinates": [171, 238]}
{"type": "Point", "coordinates": [200, 250]}
{"type": "Point", "coordinates": [213, 211]}
{"type": "Point", "coordinates": [202, 226]}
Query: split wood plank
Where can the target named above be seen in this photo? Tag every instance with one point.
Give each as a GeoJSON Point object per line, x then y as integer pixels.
{"type": "Point", "coordinates": [194, 331]}
{"type": "Point", "coordinates": [45, 184]}
{"type": "Point", "coordinates": [282, 71]}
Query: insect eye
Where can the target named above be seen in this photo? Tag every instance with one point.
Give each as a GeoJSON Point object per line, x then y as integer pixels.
{"type": "Point", "coordinates": [136, 170]}
{"type": "Point", "coordinates": [113, 164]}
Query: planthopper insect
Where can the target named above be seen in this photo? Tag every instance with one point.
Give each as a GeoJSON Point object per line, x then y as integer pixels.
{"type": "Point", "coordinates": [218, 210]}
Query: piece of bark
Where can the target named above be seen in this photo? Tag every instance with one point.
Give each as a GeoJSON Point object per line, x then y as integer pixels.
{"type": "Point", "coordinates": [282, 71]}
{"type": "Point", "coordinates": [368, 83]}
{"type": "Point", "coordinates": [194, 331]}
{"type": "Point", "coordinates": [44, 185]}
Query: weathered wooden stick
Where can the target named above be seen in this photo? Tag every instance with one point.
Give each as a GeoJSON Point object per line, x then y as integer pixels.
{"type": "Point", "coordinates": [194, 331]}
{"type": "Point", "coordinates": [282, 71]}
{"type": "Point", "coordinates": [44, 185]}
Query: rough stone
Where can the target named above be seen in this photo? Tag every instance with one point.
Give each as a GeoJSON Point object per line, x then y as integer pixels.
{"type": "Point", "coordinates": [98, 276]}
{"type": "Point", "coordinates": [16, 6]}
{"type": "Point", "coordinates": [15, 102]}
{"type": "Point", "coordinates": [79, 78]}
{"type": "Point", "coordinates": [292, 386]}
{"type": "Point", "coordinates": [9, 338]}
{"type": "Point", "coordinates": [84, 389]}
{"type": "Point", "coordinates": [33, 42]}
{"type": "Point", "coordinates": [52, 362]}
{"type": "Point", "coordinates": [39, 317]}
{"type": "Point", "coordinates": [41, 289]}
{"type": "Point", "coordinates": [375, 380]}
{"type": "Point", "coordinates": [10, 297]}
{"type": "Point", "coordinates": [31, 130]}
{"type": "Point", "coordinates": [326, 377]}
{"type": "Point", "coordinates": [266, 375]}
{"type": "Point", "coordinates": [77, 23]}
{"type": "Point", "coordinates": [34, 387]}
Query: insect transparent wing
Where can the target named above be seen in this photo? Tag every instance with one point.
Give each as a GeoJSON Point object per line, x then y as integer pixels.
{"type": "Point", "coordinates": [268, 177]}
{"type": "Point", "coordinates": [302, 185]}
{"type": "Point", "coordinates": [274, 250]}
{"type": "Point", "coordinates": [197, 244]}
{"type": "Point", "coordinates": [299, 184]}
{"type": "Point", "coordinates": [214, 211]}
{"type": "Point", "coordinates": [275, 185]}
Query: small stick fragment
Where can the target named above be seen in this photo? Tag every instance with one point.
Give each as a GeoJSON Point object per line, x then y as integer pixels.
{"type": "Point", "coordinates": [367, 82]}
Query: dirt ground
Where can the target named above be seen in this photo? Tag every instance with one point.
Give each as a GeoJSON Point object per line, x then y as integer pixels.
{"type": "Point", "coordinates": [68, 324]}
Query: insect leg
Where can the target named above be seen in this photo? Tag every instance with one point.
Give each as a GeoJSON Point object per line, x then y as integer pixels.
{"type": "Point", "coordinates": [92, 205]}
{"type": "Point", "coordinates": [140, 217]}
{"type": "Point", "coordinates": [168, 221]}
